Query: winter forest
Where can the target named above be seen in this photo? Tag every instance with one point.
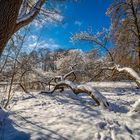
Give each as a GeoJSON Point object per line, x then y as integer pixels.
{"type": "Point", "coordinates": [69, 69]}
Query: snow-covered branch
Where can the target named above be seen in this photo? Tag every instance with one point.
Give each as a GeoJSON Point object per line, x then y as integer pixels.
{"type": "Point", "coordinates": [23, 9]}
{"type": "Point", "coordinates": [99, 39]}
{"type": "Point", "coordinates": [61, 83]}
{"type": "Point", "coordinates": [86, 37]}
{"type": "Point", "coordinates": [82, 88]}
{"type": "Point", "coordinates": [26, 18]}
{"type": "Point", "coordinates": [131, 72]}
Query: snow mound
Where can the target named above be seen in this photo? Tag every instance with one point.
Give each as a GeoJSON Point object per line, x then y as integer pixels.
{"type": "Point", "coordinates": [135, 111]}
{"type": "Point", "coordinates": [3, 114]}
{"type": "Point", "coordinates": [66, 116]}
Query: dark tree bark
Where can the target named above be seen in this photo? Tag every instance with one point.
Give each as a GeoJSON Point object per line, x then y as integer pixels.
{"type": "Point", "coordinates": [11, 21]}
{"type": "Point", "coordinates": [9, 10]}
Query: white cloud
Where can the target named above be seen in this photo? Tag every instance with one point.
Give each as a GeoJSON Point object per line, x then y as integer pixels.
{"type": "Point", "coordinates": [50, 44]}
{"type": "Point", "coordinates": [49, 18]}
{"type": "Point", "coordinates": [65, 25]}
{"type": "Point", "coordinates": [78, 23]}
{"type": "Point", "coordinates": [33, 38]}
{"type": "Point", "coordinates": [32, 45]}
{"type": "Point", "coordinates": [57, 17]}
{"type": "Point", "coordinates": [38, 24]}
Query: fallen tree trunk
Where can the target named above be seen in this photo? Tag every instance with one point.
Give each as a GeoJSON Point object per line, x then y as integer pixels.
{"type": "Point", "coordinates": [82, 88]}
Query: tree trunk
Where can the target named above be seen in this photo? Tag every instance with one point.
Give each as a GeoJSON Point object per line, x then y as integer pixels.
{"type": "Point", "coordinates": [9, 10]}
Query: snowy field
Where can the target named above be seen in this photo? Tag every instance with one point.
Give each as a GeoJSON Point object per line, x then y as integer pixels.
{"type": "Point", "coordinates": [65, 116]}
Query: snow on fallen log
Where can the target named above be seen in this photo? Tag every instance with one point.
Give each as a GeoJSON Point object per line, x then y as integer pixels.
{"type": "Point", "coordinates": [131, 72]}
{"type": "Point", "coordinates": [95, 94]}
{"type": "Point", "coordinates": [82, 88]}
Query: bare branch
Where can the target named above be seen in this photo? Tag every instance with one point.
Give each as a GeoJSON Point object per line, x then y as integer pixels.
{"type": "Point", "coordinates": [93, 38]}
{"type": "Point", "coordinates": [23, 10]}
{"type": "Point", "coordinates": [131, 72]}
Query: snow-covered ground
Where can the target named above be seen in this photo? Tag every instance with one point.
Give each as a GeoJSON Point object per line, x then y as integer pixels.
{"type": "Point", "coordinates": [65, 116]}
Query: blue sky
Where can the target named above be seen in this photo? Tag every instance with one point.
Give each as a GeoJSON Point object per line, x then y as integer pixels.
{"type": "Point", "coordinates": [86, 15]}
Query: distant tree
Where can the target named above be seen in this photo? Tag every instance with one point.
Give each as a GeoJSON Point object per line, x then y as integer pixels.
{"type": "Point", "coordinates": [85, 65]}
{"type": "Point", "coordinates": [45, 60]}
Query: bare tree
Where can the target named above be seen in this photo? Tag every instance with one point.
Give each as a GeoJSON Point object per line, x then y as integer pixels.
{"type": "Point", "coordinates": [125, 31]}
{"type": "Point", "coordinates": [103, 44]}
